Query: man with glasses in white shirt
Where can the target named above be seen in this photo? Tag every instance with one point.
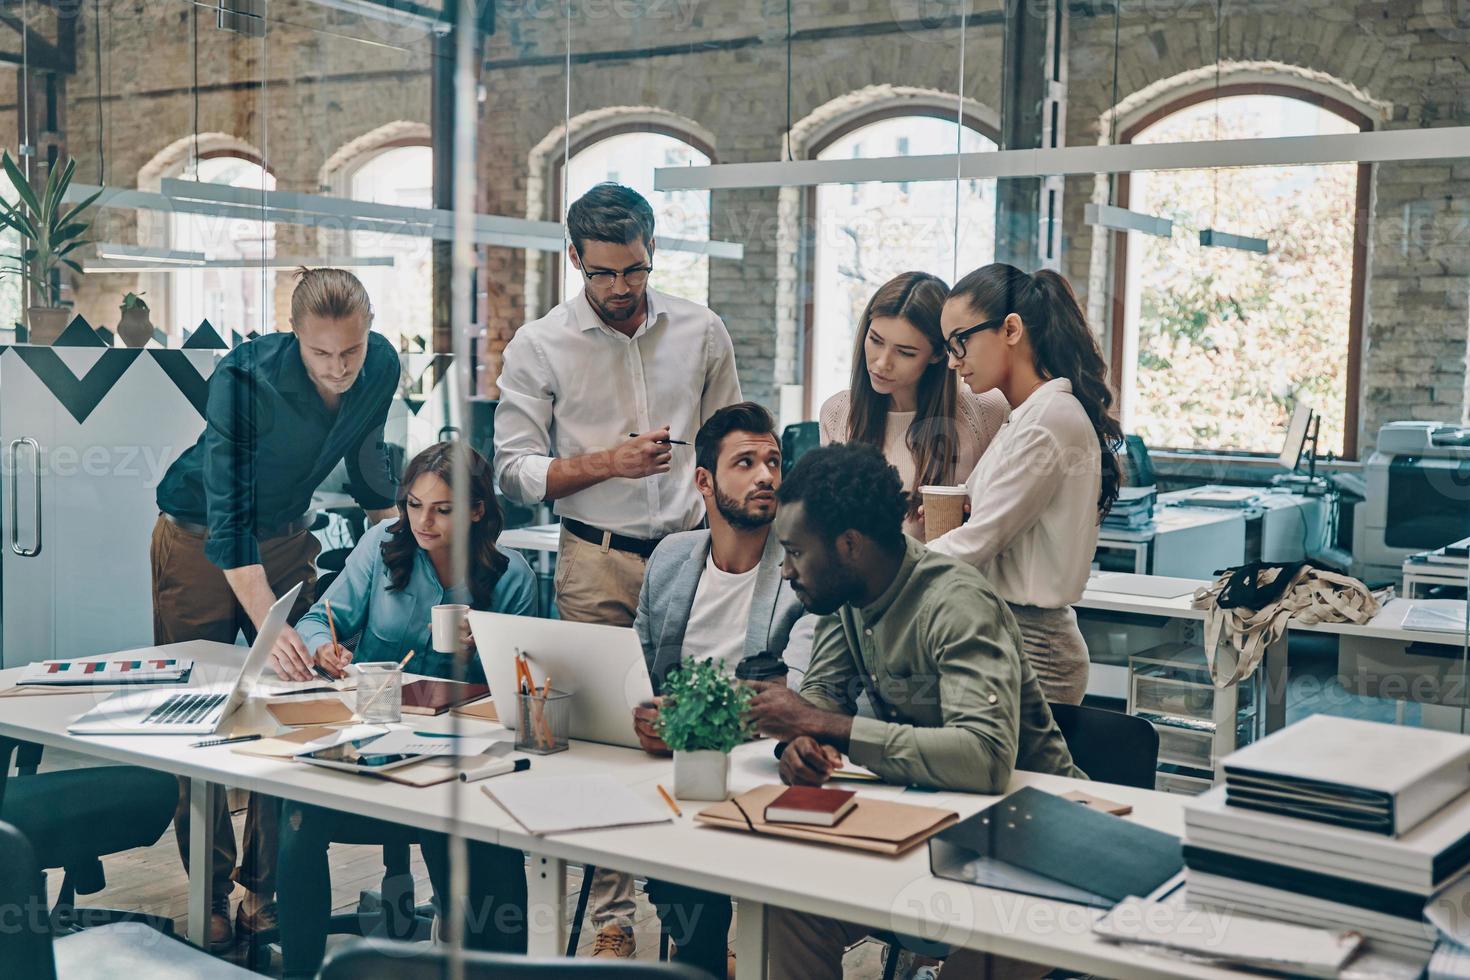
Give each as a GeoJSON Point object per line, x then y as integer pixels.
{"type": "Point", "coordinates": [599, 403]}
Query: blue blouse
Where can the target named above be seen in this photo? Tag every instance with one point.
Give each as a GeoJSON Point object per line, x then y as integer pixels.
{"type": "Point", "coordinates": [389, 623]}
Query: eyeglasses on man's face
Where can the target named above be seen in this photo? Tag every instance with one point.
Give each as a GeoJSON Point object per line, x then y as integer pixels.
{"type": "Point", "coordinates": [954, 344]}
{"type": "Point", "coordinates": [634, 276]}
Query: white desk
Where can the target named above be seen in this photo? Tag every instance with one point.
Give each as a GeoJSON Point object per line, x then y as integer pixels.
{"type": "Point", "coordinates": [890, 893]}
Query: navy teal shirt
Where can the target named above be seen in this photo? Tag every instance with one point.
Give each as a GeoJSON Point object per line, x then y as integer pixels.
{"type": "Point", "coordinates": [377, 623]}
{"type": "Point", "coordinates": [269, 441]}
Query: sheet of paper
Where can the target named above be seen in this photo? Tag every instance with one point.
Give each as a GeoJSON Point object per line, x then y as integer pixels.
{"type": "Point", "coordinates": [563, 803]}
{"type": "Point", "coordinates": [341, 735]}
{"type": "Point", "coordinates": [1436, 615]}
{"type": "Point", "coordinates": [405, 741]}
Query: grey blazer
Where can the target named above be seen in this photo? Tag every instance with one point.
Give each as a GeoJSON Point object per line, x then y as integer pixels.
{"type": "Point", "coordinates": [667, 598]}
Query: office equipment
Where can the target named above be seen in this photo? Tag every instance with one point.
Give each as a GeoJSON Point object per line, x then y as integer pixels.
{"type": "Point", "coordinates": [550, 713]}
{"type": "Point", "coordinates": [1301, 437]}
{"type": "Point", "coordinates": [87, 673]}
{"type": "Point", "coordinates": [380, 691]}
{"type": "Point", "coordinates": [601, 666]}
{"type": "Point", "coordinates": [812, 805]}
{"type": "Point", "coordinates": [1407, 507]}
{"type": "Point", "coordinates": [196, 711]}
{"type": "Point", "coordinates": [1134, 508]}
{"type": "Point", "coordinates": [555, 805]}
{"type": "Point", "coordinates": [1139, 464]}
{"type": "Point", "coordinates": [494, 767]}
{"type": "Point", "coordinates": [1387, 778]}
{"type": "Point", "coordinates": [879, 825]}
{"type": "Point", "coordinates": [1037, 843]}
{"type": "Point", "coordinates": [1260, 944]}
{"type": "Point", "coordinates": [427, 696]}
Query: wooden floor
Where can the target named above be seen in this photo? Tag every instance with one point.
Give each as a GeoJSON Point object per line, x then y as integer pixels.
{"type": "Point", "coordinates": [152, 880]}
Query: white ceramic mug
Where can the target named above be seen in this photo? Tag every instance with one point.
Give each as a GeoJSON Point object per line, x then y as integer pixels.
{"type": "Point", "coordinates": [445, 623]}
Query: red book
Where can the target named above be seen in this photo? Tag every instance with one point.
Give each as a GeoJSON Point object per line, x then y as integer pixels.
{"type": "Point", "coordinates": [431, 697]}
{"type": "Point", "coordinates": [811, 805]}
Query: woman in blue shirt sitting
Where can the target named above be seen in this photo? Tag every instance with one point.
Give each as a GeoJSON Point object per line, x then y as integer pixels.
{"type": "Point", "coordinates": [382, 601]}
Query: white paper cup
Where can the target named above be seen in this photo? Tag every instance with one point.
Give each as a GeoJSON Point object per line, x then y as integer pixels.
{"type": "Point", "coordinates": [944, 509]}
{"type": "Point", "coordinates": [444, 622]}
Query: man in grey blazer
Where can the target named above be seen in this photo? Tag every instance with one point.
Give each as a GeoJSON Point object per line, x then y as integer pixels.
{"type": "Point", "coordinates": [718, 593]}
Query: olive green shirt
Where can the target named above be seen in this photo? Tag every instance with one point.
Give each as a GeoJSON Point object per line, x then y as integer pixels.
{"type": "Point", "coordinates": [957, 704]}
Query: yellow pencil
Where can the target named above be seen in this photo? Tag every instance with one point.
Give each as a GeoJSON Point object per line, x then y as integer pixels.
{"type": "Point", "coordinates": [331, 625]}
{"type": "Point", "coordinates": [670, 801]}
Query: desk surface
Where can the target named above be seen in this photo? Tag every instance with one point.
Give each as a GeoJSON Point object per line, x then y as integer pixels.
{"type": "Point", "coordinates": [892, 893]}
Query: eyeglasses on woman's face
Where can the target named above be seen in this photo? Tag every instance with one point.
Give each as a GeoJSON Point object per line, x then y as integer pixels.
{"type": "Point", "coordinates": [954, 344]}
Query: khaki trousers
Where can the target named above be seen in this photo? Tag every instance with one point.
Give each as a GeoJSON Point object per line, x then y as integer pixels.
{"type": "Point", "coordinates": [810, 947]}
{"type": "Point", "coordinates": [600, 585]}
{"type": "Point", "coordinates": [193, 601]}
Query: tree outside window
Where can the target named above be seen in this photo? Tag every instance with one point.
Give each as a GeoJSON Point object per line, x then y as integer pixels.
{"type": "Point", "coordinates": [1220, 344]}
{"type": "Point", "coordinates": [868, 233]}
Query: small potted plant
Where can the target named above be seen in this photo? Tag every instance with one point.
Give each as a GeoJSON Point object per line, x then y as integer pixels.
{"type": "Point", "coordinates": [134, 326]}
{"type": "Point", "coordinates": [50, 232]}
{"type": "Point", "coordinates": [701, 720]}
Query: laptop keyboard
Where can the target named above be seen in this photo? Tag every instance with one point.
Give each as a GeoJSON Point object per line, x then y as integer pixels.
{"type": "Point", "coordinates": [184, 709]}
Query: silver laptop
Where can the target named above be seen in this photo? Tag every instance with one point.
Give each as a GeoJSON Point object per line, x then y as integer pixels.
{"type": "Point", "coordinates": [194, 710]}
{"type": "Point", "coordinates": [602, 667]}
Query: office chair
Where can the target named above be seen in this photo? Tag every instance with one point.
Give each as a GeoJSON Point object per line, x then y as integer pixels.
{"type": "Point", "coordinates": [75, 817]}
{"type": "Point", "coordinates": [28, 948]}
{"type": "Point", "coordinates": [1139, 463]}
{"type": "Point", "coordinates": [796, 440]}
{"type": "Point", "coordinates": [370, 959]}
{"type": "Point", "coordinates": [1109, 746]}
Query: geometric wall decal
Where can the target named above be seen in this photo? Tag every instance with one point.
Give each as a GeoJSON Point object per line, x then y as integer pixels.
{"type": "Point", "coordinates": [79, 333]}
{"type": "Point", "coordinates": [181, 371]}
{"type": "Point", "coordinates": [205, 338]}
{"type": "Point", "coordinates": [79, 395]}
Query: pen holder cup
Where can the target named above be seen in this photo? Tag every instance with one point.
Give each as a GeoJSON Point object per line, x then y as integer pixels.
{"type": "Point", "coordinates": [379, 692]}
{"type": "Point", "coordinates": [543, 722]}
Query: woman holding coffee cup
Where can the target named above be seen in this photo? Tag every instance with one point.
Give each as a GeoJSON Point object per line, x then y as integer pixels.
{"type": "Point", "coordinates": [1041, 490]}
{"type": "Point", "coordinates": [392, 594]}
{"type": "Point", "coordinates": [903, 399]}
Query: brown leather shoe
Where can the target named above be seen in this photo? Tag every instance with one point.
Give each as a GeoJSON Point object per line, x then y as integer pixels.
{"type": "Point", "coordinates": [729, 959]}
{"type": "Point", "coordinates": [221, 936]}
{"type": "Point", "coordinates": [613, 942]}
{"type": "Point", "coordinates": [256, 913]}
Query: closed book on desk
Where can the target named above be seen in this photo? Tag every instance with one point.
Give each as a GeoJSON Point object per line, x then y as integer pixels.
{"type": "Point", "coordinates": [811, 805]}
{"type": "Point", "coordinates": [1287, 877]}
{"type": "Point", "coordinates": [434, 697]}
{"type": "Point", "coordinates": [1382, 778]}
{"type": "Point", "coordinates": [1036, 843]}
{"type": "Point", "coordinates": [877, 825]}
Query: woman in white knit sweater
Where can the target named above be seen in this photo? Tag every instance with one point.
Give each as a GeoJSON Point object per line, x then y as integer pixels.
{"type": "Point", "coordinates": [903, 398]}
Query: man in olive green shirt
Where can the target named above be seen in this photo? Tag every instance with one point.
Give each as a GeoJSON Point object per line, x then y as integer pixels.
{"type": "Point", "coordinates": [938, 653]}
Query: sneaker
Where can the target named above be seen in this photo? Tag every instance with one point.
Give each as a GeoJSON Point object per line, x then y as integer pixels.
{"type": "Point", "coordinates": [221, 935]}
{"type": "Point", "coordinates": [256, 914]}
{"type": "Point", "coordinates": [614, 942]}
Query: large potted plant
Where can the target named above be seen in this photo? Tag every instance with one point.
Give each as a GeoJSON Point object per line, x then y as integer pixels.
{"type": "Point", "coordinates": [50, 232]}
{"type": "Point", "coordinates": [701, 720]}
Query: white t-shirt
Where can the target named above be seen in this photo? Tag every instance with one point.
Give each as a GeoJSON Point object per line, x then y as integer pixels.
{"type": "Point", "coordinates": [718, 619]}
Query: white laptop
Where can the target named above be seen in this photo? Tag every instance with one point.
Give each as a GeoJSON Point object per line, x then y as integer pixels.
{"type": "Point", "coordinates": [602, 667]}
{"type": "Point", "coordinates": [193, 710]}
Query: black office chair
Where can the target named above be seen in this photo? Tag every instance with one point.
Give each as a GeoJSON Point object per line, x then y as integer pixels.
{"type": "Point", "coordinates": [28, 948]}
{"type": "Point", "coordinates": [76, 817]}
{"type": "Point", "coordinates": [1109, 746]}
{"type": "Point", "coordinates": [796, 440]}
{"type": "Point", "coordinates": [371, 959]}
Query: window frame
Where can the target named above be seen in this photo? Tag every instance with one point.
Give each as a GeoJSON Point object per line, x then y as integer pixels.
{"type": "Point", "coordinates": [847, 127]}
{"type": "Point", "coordinates": [1356, 302]}
{"type": "Point", "coordinates": [344, 178]}
{"type": "Point", "coordinates": [586, 141]}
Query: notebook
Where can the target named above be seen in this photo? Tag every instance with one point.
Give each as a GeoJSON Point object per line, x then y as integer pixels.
{"type": "Point", "coordinates": [434, 697]}
{"type": "Point", "coordinates": [878, 825]}
{"type": "Point", "coordinates": [559, 804]}
{"type": "Point", "coordinates": [1363, 774]}
{"type": "Point", "coordinates": [811, 805]}
{"type": "Point", "coordinates": [314, 711]}
{"type": "Point", "coordinates": [1036, 843]}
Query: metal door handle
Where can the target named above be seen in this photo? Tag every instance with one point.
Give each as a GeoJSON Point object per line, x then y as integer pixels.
{"type": "Point", "coordinates": [15, 496]}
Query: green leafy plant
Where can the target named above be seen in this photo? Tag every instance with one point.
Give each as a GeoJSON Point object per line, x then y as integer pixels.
{"type": "Point", "coordinates": [134, 301]}
{"type": "Point", "coordinates": [49, 230]}
{"type": "Point", "coordinates": [704, 708]}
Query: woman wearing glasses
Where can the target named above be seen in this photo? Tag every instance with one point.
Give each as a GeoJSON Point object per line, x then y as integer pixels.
{"type": "Point", "coordinates": [1041, 489]}
{"type": "Point", "coordinates": [903, 398]}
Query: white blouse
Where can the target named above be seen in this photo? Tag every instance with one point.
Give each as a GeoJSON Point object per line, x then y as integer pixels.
{"type": "Point", "coordinates": [1033, 503]}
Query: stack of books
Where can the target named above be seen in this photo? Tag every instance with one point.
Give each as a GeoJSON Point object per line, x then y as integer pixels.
{"type": "Point", "coordinates": [1338, 823]}
{"type": "Point", "coordinates": [1452, 559]}
{"type": "Point", "coordinates": [1133, 510]}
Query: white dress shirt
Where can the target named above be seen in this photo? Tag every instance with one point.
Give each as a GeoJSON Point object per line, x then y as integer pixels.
{"type": "Point", "coordinates": [570, 385]}
{"type": "Point", "coordinates": [1033, 503]}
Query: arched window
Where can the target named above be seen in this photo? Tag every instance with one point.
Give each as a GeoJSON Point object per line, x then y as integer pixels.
{"type": "Point", "coordinates": [868, 233]}
{"type": "Point", "coordinates": [1217, 345]}
{"type": "Point", "coordinates": [629, 157]}
{"type": "Point", "coordinates": [239, 296]}
{"type": "Point", "coordinates": [403, 293]}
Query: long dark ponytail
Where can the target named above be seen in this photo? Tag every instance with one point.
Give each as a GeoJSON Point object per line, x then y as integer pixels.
{"type": "Point", "coordinates": [1062, 344]}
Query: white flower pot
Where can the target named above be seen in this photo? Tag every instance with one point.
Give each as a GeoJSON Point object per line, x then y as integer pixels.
{"type": "Point", "coordinates": [703, 775]}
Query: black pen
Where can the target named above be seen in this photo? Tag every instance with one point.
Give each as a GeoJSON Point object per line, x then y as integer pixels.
{"type": "Point", "coordinates": [671, 442]}
{"type": "Point", "coordinates": [322, 673]}
{"type": "Point", "coordinates": [223, 741]}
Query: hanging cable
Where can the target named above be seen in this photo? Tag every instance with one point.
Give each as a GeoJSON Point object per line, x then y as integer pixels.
{"type": "Point", "coordinates": [97, 50]}
{"type": "Point", "coordinates": [786, 141]}
{"type": "Point", "coordinates": [194, 87]}
{"type": "Point", "coordinates": [1215, 171]}
{"type": "Point", "coordinates": [1113, 105]}
{"type": "Point", "coordinates": [959, 135]}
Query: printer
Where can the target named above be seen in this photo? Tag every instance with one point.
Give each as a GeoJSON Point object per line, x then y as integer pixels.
{"type": "Point", "coordinates": [1417, 496]}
